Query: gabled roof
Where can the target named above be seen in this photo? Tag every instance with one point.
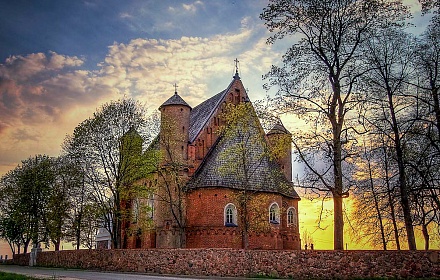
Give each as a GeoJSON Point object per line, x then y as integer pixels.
{"type": "Point", "coordinates": [175, 100]}
{"type": "Point", "coordinates": [222, 167]}
{"type": "Point", "coordinates": [202, 113]}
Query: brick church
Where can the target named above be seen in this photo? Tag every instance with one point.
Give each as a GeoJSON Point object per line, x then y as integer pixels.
{"type": "Point", "coordinates": [210, 194]}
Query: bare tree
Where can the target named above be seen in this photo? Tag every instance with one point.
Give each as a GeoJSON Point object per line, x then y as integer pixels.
{"type": "Point", "coordinates": [389, 52]}
{"type": "Point", "coordinates": [319, 77]}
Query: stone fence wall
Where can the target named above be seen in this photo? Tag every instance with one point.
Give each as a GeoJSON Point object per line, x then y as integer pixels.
{"type": "Point", "coordinates": [233, 262]}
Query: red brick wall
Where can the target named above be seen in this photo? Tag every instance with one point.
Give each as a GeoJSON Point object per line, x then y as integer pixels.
{"type": "Point", "coordinates": [174, 132]}
{"type": "Point", "coordinates": [240, 263]}
{"type": "Point", "coordinates": [209, 134]}
{"type": "Point", "coordinates": [206, 228]}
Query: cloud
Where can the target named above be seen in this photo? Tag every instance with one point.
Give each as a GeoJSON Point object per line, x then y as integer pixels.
{"type": "Point", "coordinates": [125, 15]}
{"type": "Point", "coordinates": [147, 68]}
{"type": "Point", "coordinates": [22, 134]}
{"type": "Point", "coordinates": [192, 8]}
{"type": "Point", "coordinates": [37, 92]}
{"type": "Point", "coordinates": [23, 68]}
{"type": "Point", "coordinates": [44, 96]}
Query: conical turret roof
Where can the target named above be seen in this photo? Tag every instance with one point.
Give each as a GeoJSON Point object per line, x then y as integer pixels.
{"type": "Point", "coordinates": [278, 128]}
{"type": "Point", "coordinates": [175, 100]}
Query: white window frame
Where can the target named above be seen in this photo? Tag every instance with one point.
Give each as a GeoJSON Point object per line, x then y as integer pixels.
{"type": "Point", "coordinates": [276, 214]}
{"type": "Point", "coordinates": [232, 207]}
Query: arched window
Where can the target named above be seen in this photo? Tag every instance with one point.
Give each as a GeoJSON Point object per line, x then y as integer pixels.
{"type": "Point", "coordinates": [292, 220]}
{"type": "Point", "coordinates": [274, 213]}
{"type": "Point", "coordinates": [230, 215]}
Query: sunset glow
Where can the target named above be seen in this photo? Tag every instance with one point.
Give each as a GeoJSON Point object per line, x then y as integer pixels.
{"type": "Point", "coordinates": [61, 60]}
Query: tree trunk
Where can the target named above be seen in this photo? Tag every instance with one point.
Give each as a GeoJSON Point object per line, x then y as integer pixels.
{"type": "Point", "coordinates": [57, 244]}
{"type": "Point", "coordinates": [182, 240]}
{"type": "Point", "coordinates": [25, 246]}
{"type": "Point", "coordinates": [404, 195]}
{"type": "Point", "coordinates": [338, 190]}
{"type": "Point", "coordinates": [336, 118]}
{"type": "Point", "coordinates": [245, 225]}
{"type": "Point", "coordinates": [376, 205]}
{"type": "Point", "coordinates": [436, 106]}
{"type": "Point", "coordinates": [404, 198]}
{"type": "Point", "coordinates": [390, 198]}
{"type": "Point", "coordinates": [425, 235]}
{"type": "Point", "coordinates": [78, 235]}
{"type": "Point", "coordinates": [338, 223]}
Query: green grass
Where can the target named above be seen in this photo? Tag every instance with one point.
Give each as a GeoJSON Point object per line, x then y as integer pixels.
{"type": "Point", "coordinates": [13, 276]}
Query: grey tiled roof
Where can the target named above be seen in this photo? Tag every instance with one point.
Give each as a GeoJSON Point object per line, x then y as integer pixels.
{"type": "Point", "coordinates": [221, 167]}
{"type": "Point", "coordinates": [175, 100]}
{"type": "Point", "coordinates": [224, 167]}
{"type": "Point", "coordinates": [201, 114]}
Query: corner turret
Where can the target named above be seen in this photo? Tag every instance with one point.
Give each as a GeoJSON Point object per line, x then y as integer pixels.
{"type": "Point", "coordinates": [175, 114]}
{"type": "Point", "coordinates": [280, 140]}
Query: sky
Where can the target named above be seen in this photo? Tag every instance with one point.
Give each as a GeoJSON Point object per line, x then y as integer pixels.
{"type": "Point", "coordinates": [60, 60]}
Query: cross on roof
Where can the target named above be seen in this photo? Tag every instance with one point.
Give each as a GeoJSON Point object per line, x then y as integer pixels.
{"type": "Point", "coordinates": [175, 88]}
{"type": "Point", "coordinates": [236, 65]}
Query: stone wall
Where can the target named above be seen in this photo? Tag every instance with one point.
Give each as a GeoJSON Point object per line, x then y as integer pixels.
{"type": "Point", "coordinates": [233, 262]}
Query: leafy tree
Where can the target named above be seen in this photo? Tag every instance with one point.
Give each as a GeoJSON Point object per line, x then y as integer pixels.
{"type": "Point", "coordinates": [84, 215]}
{"type": "Point", "coordinates": [246, 152]}
{"type": "Point", "coordinates": [319, 79]}
{"type": "Point", "coordinates": [11, 231]}
{"type": "Point", "coordinates": [61, 201]}
{"type": "Point", "coordinates": [248, 156]}
{"type": "Point", "coordinates": [108, 147]}
{"type": "Point", "coordinates": [27, 190]}
{"type": "Point", "coordinates": [428, 5]}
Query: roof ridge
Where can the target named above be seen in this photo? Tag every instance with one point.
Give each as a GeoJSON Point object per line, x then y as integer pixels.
{"type": "Point", "coordinates": [269, 170]}
{"type": "Point", "coordinates": [208, 117]}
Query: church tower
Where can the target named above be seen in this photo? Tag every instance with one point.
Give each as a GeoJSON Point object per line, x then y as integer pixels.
{"type": "Point", "coordinates": [174, 126]}
{"type": "Point", "coordinates": [172, 175]}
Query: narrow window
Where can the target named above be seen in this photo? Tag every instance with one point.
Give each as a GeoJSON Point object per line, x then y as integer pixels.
{"type": "Point", "coordinates": [230, 215]}
{"type": "Point", "coordinates": [291, 217]}
{"type": "Point", "coordinates": [274, 213]}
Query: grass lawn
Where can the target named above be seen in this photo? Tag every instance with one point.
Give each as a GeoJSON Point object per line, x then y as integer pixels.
{"type": "Point", "coordinates": [13, 276]}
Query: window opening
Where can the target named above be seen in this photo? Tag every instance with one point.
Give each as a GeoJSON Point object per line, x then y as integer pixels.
{"type": "Point", "coordinates": [230, 215]}
{"type": "Point", "coordinates": [291, 217]}
{"type": "Point", "coordinates": [274, 213]}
